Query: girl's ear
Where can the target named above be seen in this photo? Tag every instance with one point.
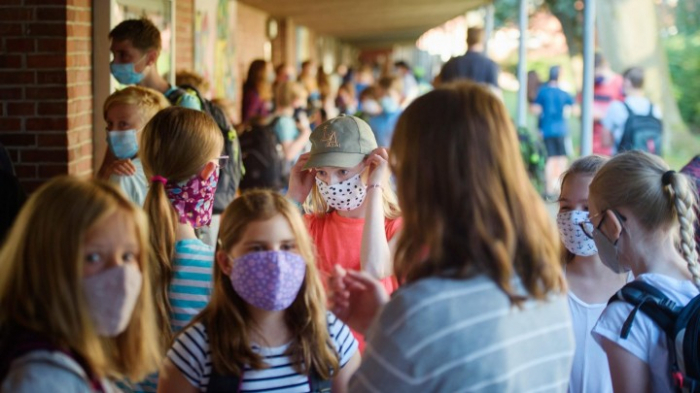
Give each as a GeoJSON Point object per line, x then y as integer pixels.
{"type": "Point", "coordinates": [612, 227]}
{"type": "Point", "coordinates": [224, 262]}
{"type": "Point", "coordinates": [209, 168]}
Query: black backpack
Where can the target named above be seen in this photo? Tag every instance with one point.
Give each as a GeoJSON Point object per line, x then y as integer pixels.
{"type": "Point", "coordinates": [230, 175]}
{"type": "Point", "coordinates": [262, 157]}
{"type": "Point", "coordinates": [642, 132]}
{"type": "Point", "coordinates": [681, 325]}
{"type": "Point", "coordinates": [226, 383]}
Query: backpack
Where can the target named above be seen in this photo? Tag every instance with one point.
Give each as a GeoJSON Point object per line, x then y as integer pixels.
{"type": "Point", "coordinates": [262, 157]}
{"type": "Point", "coordinates": [534, 157]}
{"type": "Point", "coordinates": [230, 174]}
{"type": "Point", "coordinates": [225, 383]}
{"type": "Point", "coordinates": [642, 132]}
{"type": "Point", "coordinates": [681, 325]}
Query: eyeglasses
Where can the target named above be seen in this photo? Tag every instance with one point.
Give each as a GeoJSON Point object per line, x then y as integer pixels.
{"type": "Point", "coordinates": [588, 228]}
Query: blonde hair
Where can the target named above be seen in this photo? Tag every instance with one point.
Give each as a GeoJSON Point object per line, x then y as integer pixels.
{"type": "Point", "coordinates": [470, 209]}
{"type": "Point", "coordinates": [147, 101]}
{"type": "Point", "coordinates": [226, 317]}
{"type": "Point", "coordinates": [660, 199]}
{"type": "Point", "coordinates": [191, 78]}
{"type": "Point", "coordinates": [176, 144]}
{"type": "Point", "coordinates": [287, 92]}
{"type": "Point", "coordinates": [42, 270]}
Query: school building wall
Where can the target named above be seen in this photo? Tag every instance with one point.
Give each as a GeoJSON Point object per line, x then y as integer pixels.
{"type": "Point", "coordinates": [47, 77]}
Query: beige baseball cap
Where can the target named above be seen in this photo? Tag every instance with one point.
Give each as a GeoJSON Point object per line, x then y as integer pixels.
{"type": "Point", "coordinates": [342, 141]}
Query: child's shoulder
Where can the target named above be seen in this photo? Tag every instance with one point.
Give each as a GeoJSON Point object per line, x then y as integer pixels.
{"type": "Point", "coordinates": [193, 247]}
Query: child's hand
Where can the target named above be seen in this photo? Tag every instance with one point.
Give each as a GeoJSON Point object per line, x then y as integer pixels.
{"type": "Point", "coordinates": [121, 168]}
{"type": "Point", "coordinates": [301, 181]}
{"type": "Point", "coordinates": [378, 162]}
{"type": "Point", "coordinates": [357, 299]}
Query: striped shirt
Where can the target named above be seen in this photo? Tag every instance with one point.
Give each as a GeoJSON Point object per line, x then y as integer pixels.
{"type": "Point", "coordinates": [450, 335]}
{"type": "Point", "coordinates": [190, 353]}
{"type": "Point", "coordinates": [190, 290]}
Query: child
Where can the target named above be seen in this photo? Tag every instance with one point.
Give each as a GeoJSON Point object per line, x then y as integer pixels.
{"type": "Point", "coordinates": [591, 284]}
{"type": "Point", "coordinates": [353, 210]}
{"type": "Point", "coordinates": [280, 339]}
{"type": "Point", "coordinates": [639, 212]}
{"type": "Point", "coordinates": [384, 121]}
{"type": "Point", "coordinates": [126, 112]}
{"type": "Point", "coordinates": [293, 135]}
{"type": "Point", "coordinates": [180, 151]}
{"type": "Point", "coordinates": [75, 301]}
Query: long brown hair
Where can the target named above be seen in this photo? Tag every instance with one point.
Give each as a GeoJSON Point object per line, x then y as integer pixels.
{"type": "Point", "coordinates": [635, 180]}
{"type": "Point", "coordinates": [42, 270]}
{"type": "Point", "coordinates": [227, 318]}
{"type": "Point", "coordinates": [175, 144]}
{"type": "Point", "coordinates": [257, 80]}
{"type": "Point", "coordinates": [468, 206]}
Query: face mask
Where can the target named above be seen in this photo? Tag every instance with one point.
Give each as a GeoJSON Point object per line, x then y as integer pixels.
{"type": "Point", "coordinates": [608, 253]}
{"type": "Point", "coordinates": [371, 107]}
{"type": "Point", "coordinates": [389, 105]}
{"type": "Point", "coordinates": [573, 236]}
{"type": "Point", "coordinates": [125, 73]}
{"type": "Point", "coordinates": [123, 143]}
{"type": "Point", "coordinates": [111, 297]}
{"type": "Point", "coordinates": [269, 280]}
{"type": "Point", "coordinates": [194, 200]}
{"type": "Point", "coordinates": [346, 195]}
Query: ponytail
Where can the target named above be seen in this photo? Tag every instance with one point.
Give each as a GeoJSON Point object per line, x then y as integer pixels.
{"type": "Point", "coordinates": [162, 220]}
{"type": "Point", "coordinates": [684, 202]}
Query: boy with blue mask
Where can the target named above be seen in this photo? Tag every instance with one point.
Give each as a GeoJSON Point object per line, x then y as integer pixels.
{"type": "Point", "coordinates": [383, 116]}
{"type": "Point", "coordinates": [126, 112]}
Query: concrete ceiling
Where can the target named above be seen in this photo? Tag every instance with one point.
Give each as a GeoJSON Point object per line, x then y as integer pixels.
{"type": "Point", "coordinates": [368, 23]}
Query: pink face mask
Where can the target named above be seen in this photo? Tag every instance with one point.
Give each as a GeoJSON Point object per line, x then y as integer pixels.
{"type": "Point", "coordinates": [269, 280]}
{"type": "Point", "coordinates": [194, 200]}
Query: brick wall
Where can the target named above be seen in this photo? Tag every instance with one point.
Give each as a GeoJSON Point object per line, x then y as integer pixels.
{"type": "Point", "coordinates": [184, 34]}
{"type": "Point", "coordinates": [46, 88]}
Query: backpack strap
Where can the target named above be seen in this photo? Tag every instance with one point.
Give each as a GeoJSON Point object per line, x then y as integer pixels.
{"type": "Point", "coordinates": [224, 383]}
{"type": "Point", "coordinates": [662, 310]}
{"type": "Point", "coordinates": [317, 384]}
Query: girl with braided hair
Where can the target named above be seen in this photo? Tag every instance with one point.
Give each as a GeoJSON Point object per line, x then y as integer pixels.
{"type": "Point", "coordinates": [641, 219]}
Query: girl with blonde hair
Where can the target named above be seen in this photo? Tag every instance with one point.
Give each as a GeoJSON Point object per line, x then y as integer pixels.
{"type": "Point", "coordinates": [266, 327]}
{"type": "Point", "coordinates": [642, 217]}
{"type": "Point", "coordinates": [483, 305]}
{"type": "Point", "coordinates": [76, 309]}
{"type": "Point", "coordinates": [180, 153]}
{"type": "Point", "coordinates": [352, 209]}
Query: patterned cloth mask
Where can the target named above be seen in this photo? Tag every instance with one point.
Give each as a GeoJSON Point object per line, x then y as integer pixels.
{"type": "Point", "coordinates": [269, 280]}
{"type": "Point", "coordinates": [573, 236]}
{"type": "Point", "coordinates": [194, 200]}
{"type": "Point", "coordinates": [111, 297]}
{"type": "Point", "coordinates": [346, 195]}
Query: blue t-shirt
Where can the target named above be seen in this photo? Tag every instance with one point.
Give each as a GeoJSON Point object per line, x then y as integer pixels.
{"type": "Point", "coordinates": [553, 100]}
{"type": "Point", "coordinates": [383, 126]}
{"type": "Point", "coordinates": [286, 129]}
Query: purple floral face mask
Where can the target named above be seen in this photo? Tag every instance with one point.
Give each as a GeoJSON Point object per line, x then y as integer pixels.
{"type": "Point", "coordinates": [194, 200]}
{"type": "Point", "coordinates": [269, 280]}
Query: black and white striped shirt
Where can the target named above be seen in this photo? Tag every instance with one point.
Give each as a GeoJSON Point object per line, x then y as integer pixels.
{"type": "Point", "coordinates": [190, 353]}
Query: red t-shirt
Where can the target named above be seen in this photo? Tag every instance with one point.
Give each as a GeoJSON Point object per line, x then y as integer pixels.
{"type": "Point", "coordinates": [338, 241]}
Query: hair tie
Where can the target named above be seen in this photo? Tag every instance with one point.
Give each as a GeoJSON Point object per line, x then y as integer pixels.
{"type": "Point", "coordinates": [667, 177]}
{"type": "Point", "coordinates": [159, 179]}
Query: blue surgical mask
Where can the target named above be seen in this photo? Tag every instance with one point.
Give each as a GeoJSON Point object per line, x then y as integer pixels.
{"type": "Point", "coordinates": [123, 144]}
{"type": "Point", "coordinates": [125, 73]}
{"type": "Point", "coordinates": [389, 105]}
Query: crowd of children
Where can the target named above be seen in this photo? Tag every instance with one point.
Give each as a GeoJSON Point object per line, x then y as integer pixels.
{"type": "Point", "coordinates": [105, 284]}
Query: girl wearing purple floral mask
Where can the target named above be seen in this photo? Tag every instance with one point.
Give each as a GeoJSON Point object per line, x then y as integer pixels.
{"type": "Point", "coordinates": [180, 154]}
{"type": "Point", "coordinates": [266, 327]}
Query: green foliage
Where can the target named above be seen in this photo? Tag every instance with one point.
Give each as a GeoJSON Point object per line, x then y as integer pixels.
{"type": "Point", "coordinates": [683, 53]}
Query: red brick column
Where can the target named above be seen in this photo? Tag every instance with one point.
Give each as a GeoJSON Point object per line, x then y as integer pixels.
{"type": "Point", "coordinates": [184, 35]}
{"type": "Point", "coordinates": [46, 87]}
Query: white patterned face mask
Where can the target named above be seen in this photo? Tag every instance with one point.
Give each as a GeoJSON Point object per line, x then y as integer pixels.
{"type": "Point", "coordinates": [571, 233]}
{"type": "Point", "coordinates": [112, 296]}
{"type": "Point", "coordinates": [346, 195]}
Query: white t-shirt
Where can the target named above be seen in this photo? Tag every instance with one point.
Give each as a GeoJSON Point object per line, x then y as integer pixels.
{"type": "Point", "coordinates": [590, 371]}
{"type": "Point", "coordinates": [190, 353]}
{"type": "Point", "coordinates": [616, 116]}
{"type": "Point", "coordinates": [135, 186]}
{"type": "Point", "coordinates": [646, 341]}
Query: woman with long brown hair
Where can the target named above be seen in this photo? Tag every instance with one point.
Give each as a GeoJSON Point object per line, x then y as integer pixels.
{"type": "Point", "coordinates": [482, 305]}
{"type": "Point", "coordinates": [257, 91]}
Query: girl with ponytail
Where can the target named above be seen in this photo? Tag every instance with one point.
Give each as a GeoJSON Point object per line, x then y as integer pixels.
{"type": "Point", "coordinates": [641, 219]}
{"type": "Point", "coordinates": [180, 153]}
